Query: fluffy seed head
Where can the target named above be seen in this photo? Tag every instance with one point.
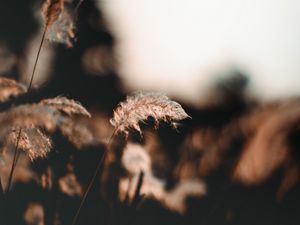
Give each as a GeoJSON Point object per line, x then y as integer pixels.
{"type": "Point", "coordinates": [138, 107]}
{"type": "Point", "coordinates": [9, 88]}
{"type": "Point", "coordinates": [49, 115]}
{"type": "Point", "coordinates": [59, 20]}
{"type": "Point", "coordinates": [65, 105]}
{"type": "Point", "coordinates": [32, 141]}
{"type": "Point", "coordinates": [51, 10]}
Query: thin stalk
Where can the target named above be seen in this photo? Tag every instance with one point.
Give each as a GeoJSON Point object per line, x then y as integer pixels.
{"type": "Point", "coordinates": [76, 9]}
{"type": "Point", "coordinates": [136, 200]}
{"type": "Point", "coordinates": [14, 163]}
{"type": "Point", "coordinates": [92, 180]}
{"type": "Point", "coordinates": [37, 57]}
{"type": "Point", "coordinates": [16, 151]}
{"type": "Point", "coordinates": [2, 204]}
{"type": "Point", "coordinates": [77, 6]}
{"type": "Point", "coordinates": [1, 189]}
{"type": "Point", "coordinates": [137, 195]}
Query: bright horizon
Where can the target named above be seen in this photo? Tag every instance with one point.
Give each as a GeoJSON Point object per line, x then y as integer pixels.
{"type": "Point", "coordinates": [179, 47]}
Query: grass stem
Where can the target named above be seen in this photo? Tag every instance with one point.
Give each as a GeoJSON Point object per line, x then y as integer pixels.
{"type": "Point", "coordinates": [17, 151]}
{"type": "Point", "coordinates": [92, 180]}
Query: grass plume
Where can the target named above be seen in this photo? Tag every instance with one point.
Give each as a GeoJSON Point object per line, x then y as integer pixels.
{"type": "Point", "coordinates": [65, 105]}
{"type": "Point", "coordinates": [140, 106]}
{"type": "Point", "coordinates": [51, 10]}
{"type": "Point", "coordinates": [10, 88]}
{"type": "Point", "coordinates": [59, 21]}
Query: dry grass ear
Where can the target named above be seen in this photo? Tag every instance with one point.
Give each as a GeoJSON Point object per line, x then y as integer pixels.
{"type": "Point", "coordinates": [59, 22]}
{"type": "Point", "coordinates": [48, 115]}
{"type": "Point", "coordinates": [10, 88]}
{"type": "Point", "coordinates": [140, 106]}
{"type": "Point", "coordinates": [28, 116]}
{"type": "Point", "coordinates": [21, 127]}
{"type": "Point", "coordinates": [51, 10]}
{"type": "Point", "coordinates": [32, 141]}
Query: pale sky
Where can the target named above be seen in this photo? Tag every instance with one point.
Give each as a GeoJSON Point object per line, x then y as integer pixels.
{"type": "Point", "coordinates": [178, 46]}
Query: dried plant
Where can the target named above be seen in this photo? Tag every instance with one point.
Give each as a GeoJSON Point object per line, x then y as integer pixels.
{"type": "Point", "coordinates": [48, 115]}
{"type": "Point", "coordinates": [10, 88]}
{"type": "Point", "coordinates": [290, 178]}
{"type": "Point", "coordinates": [69, 185]}
{"type": "Point", "coordinates": [267, 148]}
{"type": "Point", "coordinates": [34, 214]}
{"type": "Point", "coordinates": [137, 108]}
{"type": "Point", "coordinates": [46, 179]}
{"type": "Point", "coordinates": [32, 141]}
{"type": "Point", "coordinates": [63, 29]}
{"type": "Point", "coordinates": [136, 158]}
{"type": "Point", "coordinates": [59, 20]}
{"type": "Point", "coordinates": [176, 198]}
{"type": "Point", "coordinates": [167, 171]}
{"type": "Point", "coordinates": [66, 105]}
{"type": "Point", "coordinates": [51, 10]}
{"type": "Point", "coordinates": [23, 173]}
{"type": "Point", "coordinates": [154, 188]}
{"type": "Point", "coordinates": [140, 106]}
{"type": "Point", "coordinates": [28, 116]}
{"type": "Point", "coordinates": [77, 133]}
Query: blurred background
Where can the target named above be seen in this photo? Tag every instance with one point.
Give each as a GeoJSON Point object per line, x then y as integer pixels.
{"type": "Point", "coordinates": [233, 66]}
{"type": "Point", "coordinates": [184, 47]}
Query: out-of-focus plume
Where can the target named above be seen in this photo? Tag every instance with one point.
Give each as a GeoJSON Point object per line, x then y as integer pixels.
{"type": "Point", "coordinates": [290, 178]}
{"type": "Point", "coordinates": [66, 105]}
{"type": "Point", "coordinates": [82, 131]}
{"type": "Point", "coordinates": [153, 187]}
{"type": "Point", "coordinates": [77, 133]}
{"type": "Point", "coordinates": [176, 198]}
{"type": "Point", "coordinates": [28, 116]}
{"type": "Point", "coordinates": [69, 185]}
{"type": "Point", "coordinates": [8, 60]}
{"type": "Point", "coordinates": [10, 88]}
{"type": "Point", "coordinates": [34, 214]}
{"type": "Point", "coordinates": [267, 148]}
{"type": "Point", "coordinates": [98, 60]}
{"type": "Point", "coordinates": [47, 179]}
{"type": "Point", "coordinates": [22, 173]}
{"type": "Point", "coordinates": [203, 151]}
{"type": "Point", "coordinates": [140, 106]}
{"type": "Point", "coordinates": [99, 126]}
{"type": "Point", "coordinates": [136, 158]}
{"type": "Point", "coordinates": [48, 115]}
{"type": "Point", "coordinates": [59, 21]}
